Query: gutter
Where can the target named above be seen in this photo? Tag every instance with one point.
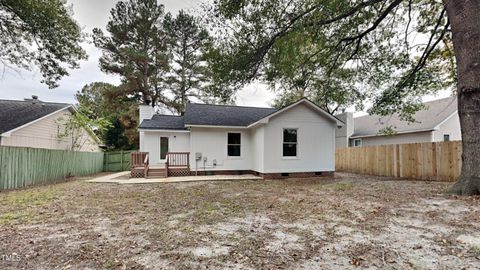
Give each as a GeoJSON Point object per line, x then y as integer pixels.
{"type": "Point", "coordinates": [163, 130]}
{"type": "Point", "coordinates": [399, 132]}
{"type": "Point", "coordinates": [213, 126]}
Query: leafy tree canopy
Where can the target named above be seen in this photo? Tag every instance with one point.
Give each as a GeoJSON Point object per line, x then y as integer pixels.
{"type": "Point", "coordinates": [40, 33]}
{"type": "Point", "coordinates": [338, 52]}
{"type": "Point", "coordinates": [160, 58]}
{"type": "Point", "coordinates": [136, 48]}
{"type": "Point", "coordinates": [100, 100]}
{"type": "Point", "coordinates": [187, 45]}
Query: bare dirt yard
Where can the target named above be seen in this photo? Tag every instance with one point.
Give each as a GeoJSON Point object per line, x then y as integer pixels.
{"type": "Point", "coordinates": [342, 222]}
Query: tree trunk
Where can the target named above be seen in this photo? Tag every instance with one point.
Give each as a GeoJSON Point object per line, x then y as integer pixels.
{"type": "Point", "coordinates": [465, 24]}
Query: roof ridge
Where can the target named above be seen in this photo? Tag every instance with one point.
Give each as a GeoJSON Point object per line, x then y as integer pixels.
{"type": "Point", "coordinates": [38, 101]}
{"type": "Point", "coordinates": [237, 106]}
{"type": "Point", "coordinates": [431, 101]}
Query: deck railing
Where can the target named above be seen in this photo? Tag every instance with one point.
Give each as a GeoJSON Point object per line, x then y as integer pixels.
{"type": "Point", "coordinates": [139, 159]}
{"type": "Point", "coordinates": [139, 164]}
{"type": "Point", "coordinates": [178, 163]}
{"type": "Point", "coordinates": [178, 159]}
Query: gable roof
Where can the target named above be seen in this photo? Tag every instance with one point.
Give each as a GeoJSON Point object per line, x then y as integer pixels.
{"type": "Point", "coordinates": [309, 103]}
{"type": "Point", "coordinates": [435, 113]}
{"type": "Point", "coordinates": [172, 122]}
{"type": "Point", "coordinates": [223, 115]}
{"type": "Point", "coordinates": [16, 113]}
{"type": "Point", "coordinates": [197, 114]}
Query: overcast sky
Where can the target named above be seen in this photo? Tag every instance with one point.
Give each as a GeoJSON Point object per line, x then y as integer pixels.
{"type": "Point", "coordinates": [90, 14]}
{"type": "Point", "coordinates": [96, 13]}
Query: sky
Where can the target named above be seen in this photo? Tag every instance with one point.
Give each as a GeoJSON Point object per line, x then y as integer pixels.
{"type": "Point", "coordinates": [89, 14]}
{"type": "Point", "coordinates": [20, 84]}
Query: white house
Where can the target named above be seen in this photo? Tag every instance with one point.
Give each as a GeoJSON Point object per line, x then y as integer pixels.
{"type": "Point", "coordinates": [298, 140]}
{"type": "Point", "coordinates": [38, 124]}
{"type": "Point", "coordinates": [438, 121]}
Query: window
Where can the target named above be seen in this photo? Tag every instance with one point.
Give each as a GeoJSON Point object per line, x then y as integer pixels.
{"type": "Point", "coordinates": [357, 142]}
{"type": "Point", "coordinates": [289, 142]}
{"type": "Point", "coordinates": [446, 137]}
{"type": "Point", "coordinates": [233, 144]}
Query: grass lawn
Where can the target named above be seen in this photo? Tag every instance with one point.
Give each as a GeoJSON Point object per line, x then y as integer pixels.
{"type": "Point", "coordinates": [342, 222]}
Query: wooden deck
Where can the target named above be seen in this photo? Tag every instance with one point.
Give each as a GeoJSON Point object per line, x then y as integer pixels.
{"type": "Point", "coordinates": [176, 164]}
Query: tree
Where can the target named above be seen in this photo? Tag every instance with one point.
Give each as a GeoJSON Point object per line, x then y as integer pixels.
{"type": "Point", "coordinates": [136, 48]}
{"type": "Point", "coordinates": [109, 102]}
{"type": "Point", "coordinates": [373, 40]}
{"type": "Point", "coordinates": [187, 45]}
{"type": "Point", "coordinates": [78, 128]}
{"type": "Point", "coordinates": [116, 137]}
{"type": "Point", "coordinates": [40, 33]}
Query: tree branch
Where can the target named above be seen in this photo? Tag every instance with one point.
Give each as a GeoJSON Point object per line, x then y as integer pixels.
{"type": "Point", "coordinates": [264, 49]}
{"type": "Point", "coordinates": [429, 48]}
{"type": "Point", "coordinates": [377, 22]}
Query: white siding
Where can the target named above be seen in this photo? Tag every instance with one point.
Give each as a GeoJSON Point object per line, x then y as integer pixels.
{"type": "Point", "coordinates": [258, 150]}
{"type": "Point", "coordinates": [150, 142]}
{"type": "Point", "coordinates": [45, 134]}
{"type": "Point", "coordinates": [212, 143]}
{"type": "Point", "coordinates": [451, 127]}
{"type": "Point", "coordinates": [316, 142]}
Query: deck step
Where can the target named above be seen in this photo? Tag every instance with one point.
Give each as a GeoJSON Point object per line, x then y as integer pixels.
{"type": "Point", "coordinates": [157, 173]}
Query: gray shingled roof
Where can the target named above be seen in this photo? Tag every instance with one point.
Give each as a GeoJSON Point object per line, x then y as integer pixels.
{"type": "Point", "coordinates": [163, 122]}
{"type": "Point", "coordinates": [224, 115]}
{"type": "Point", "coordinates": [211, 115]}
{"type": "Point", "coordinates": [427, 119]}
{"type": "Point", "coordinates": [15, 113]}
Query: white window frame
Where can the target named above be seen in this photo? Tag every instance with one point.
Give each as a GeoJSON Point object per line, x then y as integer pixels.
{"type": "Point", "coordinates": [296, 144]}
{"type": "Point", "coordinates": [235, 157]}
{"type": "Point", "coordinates": [357, 140]}
{"type": "Point", "coordinates": [446, 136]}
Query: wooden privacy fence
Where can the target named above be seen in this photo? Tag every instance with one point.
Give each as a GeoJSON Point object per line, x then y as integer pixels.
{"type": "Point", "coordinates": [438, 161]}
{"type": "Point", "coordinates": [117, 161]}
{"type": "Point", "coordinates": [22, 166]}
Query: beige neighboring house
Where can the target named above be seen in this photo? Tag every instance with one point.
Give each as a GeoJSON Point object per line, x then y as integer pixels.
{"type": "Point", "coordinates": [39, 124]}
{"type": "Point", "coordinates": [437, 122]}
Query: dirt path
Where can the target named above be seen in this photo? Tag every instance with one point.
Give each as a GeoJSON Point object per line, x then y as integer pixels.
{"type": "Point", "coordinates": [346, 222]}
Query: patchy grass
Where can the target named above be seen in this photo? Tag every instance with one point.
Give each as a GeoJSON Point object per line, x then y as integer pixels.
{"type": "Point", "coordinates": [29, 198]}
{"type": "Point", "coordinates": [342, 222]}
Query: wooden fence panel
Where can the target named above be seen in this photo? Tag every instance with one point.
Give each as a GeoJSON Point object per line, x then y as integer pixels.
{"type": "Point", "coordinates": [439, 161]}
{"type": "Point", "coordinates": [22, 166]}
{"type": "Point", "coordinates": [117, 161]}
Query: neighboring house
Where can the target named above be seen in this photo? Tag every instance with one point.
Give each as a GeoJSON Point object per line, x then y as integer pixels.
{"type": "Point", "coordinates": [39, 124]}
{"type": "Point", "coordinates": [298, 140]}
{"type": "Point", "coordinates": [437, 122]}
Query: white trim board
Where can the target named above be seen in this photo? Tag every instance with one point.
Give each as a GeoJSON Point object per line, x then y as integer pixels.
{"type": "Point", "coordinates": [163, 130]}
{"type": "Point", "coordinates": [213, 126]}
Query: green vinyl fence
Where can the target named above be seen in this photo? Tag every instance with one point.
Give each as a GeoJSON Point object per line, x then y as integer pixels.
{"type": "Point", "coordinates": [22, 166]}
{"type": "Point", "coordinates": [117, 161]}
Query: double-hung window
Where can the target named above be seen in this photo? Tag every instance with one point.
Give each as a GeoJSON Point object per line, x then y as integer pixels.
{"type": "Point", "coordinates": [290, 142]}
{"type": "Point", "coordinates": [234, 141]}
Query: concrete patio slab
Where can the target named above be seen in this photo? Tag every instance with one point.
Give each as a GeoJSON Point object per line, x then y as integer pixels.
{"type": "Point", "coordinates": [124, 178]}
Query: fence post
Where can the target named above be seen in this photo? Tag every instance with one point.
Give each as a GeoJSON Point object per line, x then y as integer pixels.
{"type": "Point", "coordinates": [121, 160]}
{"type": "Point", "coordinates": [106, 161]}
